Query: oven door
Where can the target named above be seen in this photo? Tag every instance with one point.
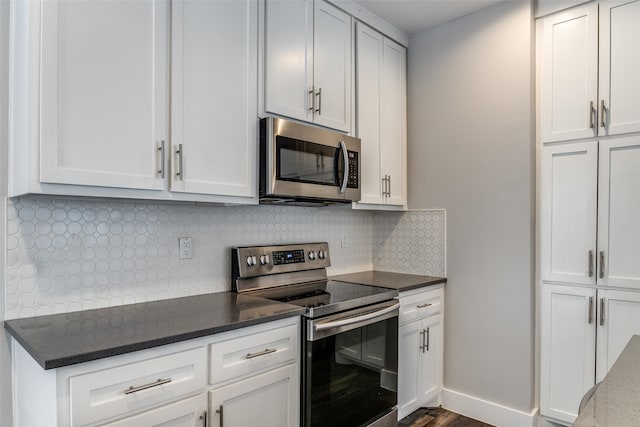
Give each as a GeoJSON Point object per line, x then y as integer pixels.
{"type": "Point", "coordinates": [350, 367]}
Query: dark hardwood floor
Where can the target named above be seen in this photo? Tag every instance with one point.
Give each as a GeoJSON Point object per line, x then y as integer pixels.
{"type": "Point", "coordinates": [439, 417]}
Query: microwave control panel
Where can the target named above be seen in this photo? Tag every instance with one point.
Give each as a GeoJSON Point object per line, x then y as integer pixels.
{"type": "Point", "coordinates": [352, 181]}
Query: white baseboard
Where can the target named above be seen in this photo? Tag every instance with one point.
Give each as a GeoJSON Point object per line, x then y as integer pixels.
{"type": "Point", "coordinates": [488, 412]}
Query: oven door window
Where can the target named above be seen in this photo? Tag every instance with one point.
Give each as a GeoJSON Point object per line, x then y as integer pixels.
{"type": "Point", "coordinates": [350, 378]}
{"type": "Point", "coordinates": [307, 162]}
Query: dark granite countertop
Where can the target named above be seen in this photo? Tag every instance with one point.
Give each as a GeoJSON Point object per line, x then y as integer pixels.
{"type": "Point", "coordinates": [616, 401]}
{"type": "Point", "coordinates": [385, 279]}
{"type": "Point", "coordinates": [65, 339]}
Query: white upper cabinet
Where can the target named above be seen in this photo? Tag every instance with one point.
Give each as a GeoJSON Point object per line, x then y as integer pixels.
{"type": "Point", "coordinates": [569, 81]}
{"type": "Point", "coordinates": [619, 212]}
{"type": "Point", "coordinates": [568, 212]}
{"type": "Point", "coordinates": [100, 83]}
{"type": "Point", "coordinates": [214, 97]}
{"type": "Point", "coordinates": [589, 69]}
{"type": "Point", "coordinates": [619, 67]}
{"type": "Point", "coordinates": [103, 93]}
{"type": "Point", "coordinates": [381, 121]}
{"type": "Point", "coordinates": [307, 62]}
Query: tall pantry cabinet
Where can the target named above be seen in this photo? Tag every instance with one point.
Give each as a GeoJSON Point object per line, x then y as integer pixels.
{"type": "Point", "coordinates": [589, 203]}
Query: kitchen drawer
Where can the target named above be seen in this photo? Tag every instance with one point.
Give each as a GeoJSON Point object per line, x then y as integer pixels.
{"type": "Point", "coordinates": [128, 388]}
{"type": "Point", "coordinates": [254, 352]}
{"type": "Point", "coordinates": [420, 305]}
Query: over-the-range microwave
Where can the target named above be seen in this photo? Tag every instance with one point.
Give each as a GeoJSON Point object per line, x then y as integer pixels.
{"type": "Point", "coordinates": [304, 164]}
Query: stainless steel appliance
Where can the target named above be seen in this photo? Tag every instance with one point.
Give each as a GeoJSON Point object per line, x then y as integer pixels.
{"type": "Point", "coordinates": [303, 164]}
{"type": "Point", "coordinates": [350, 333]}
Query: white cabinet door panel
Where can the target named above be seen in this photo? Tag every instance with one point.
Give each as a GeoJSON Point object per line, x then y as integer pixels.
{"type": "Point", "coordinates": [569, 81]}
{"type": "Point", "coordinates": [332, 66]}
{"type": "Point", "coordinates": [567, 349]}
{"type": "Point", "coordinates": [103, 92]}
{"type": "Point", "coordinates": [185, 413]}
{"type": "Point", "coordinates": [214, 97]}
{"type": "Point", "coordinates": [432, 351]}
{"type": "Point", "coordinates": [568, 212]}
{"type": "Point", "coordinates": [393, 122]}
{"type": "Point", "coordinates": [288, 57]}
{"type": "Point", "coordinates": [617, 323]}
{"type": "Point", "coordinates": [619, 66]}
{"type": "Point", "coordinates": [409, 369]}
{"type": "Point", "coordinates": [369, 49]}
{"type": "Point", "coordinates": [619, 212]}
{"type": "Point", "coordinates": [267, 400]}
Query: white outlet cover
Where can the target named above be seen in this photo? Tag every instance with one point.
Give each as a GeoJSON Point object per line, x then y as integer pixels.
{"type": "Point", "coordinates": [185, 248]}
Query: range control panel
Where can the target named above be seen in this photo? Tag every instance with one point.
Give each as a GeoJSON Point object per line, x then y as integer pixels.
{"type": "Point", "coordinates": [252, 261]}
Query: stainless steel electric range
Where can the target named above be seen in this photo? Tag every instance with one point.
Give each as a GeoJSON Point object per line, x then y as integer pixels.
{"type": "Point", "coordinates": [350, 333]}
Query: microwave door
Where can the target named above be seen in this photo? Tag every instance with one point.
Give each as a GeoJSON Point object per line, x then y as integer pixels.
{"type": "Point", "coordinates": [342, 171]}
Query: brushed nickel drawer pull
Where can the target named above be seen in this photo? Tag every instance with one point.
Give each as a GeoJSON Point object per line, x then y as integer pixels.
{"type": "Point", "coordinates": [261, 353]}
{"type": "Point", "coordinates": [428, 339]}
{"type": "Point", "coordinates": [602, 264]}
{"type": "Point", "coordinates": [204, 417]}
{"type": "Point", "coordinates": [590, 263]}
{"type": "Point", "coordinates": [601, 311]}
{"type": "Point", "coordinates": [220, 411]}
{"type": "Point", "coordinates": [161, 161]}
{"type": "Point", "coordinates": [157, 383]}
{"type": "Point", "coordinates": [603, 114]}
{"type": "Point", "coordinates": [423, 305]}
{"type": "Point", "coordinates": [590, 310]}
{"type": "Point", "coordinates": [592, 116]}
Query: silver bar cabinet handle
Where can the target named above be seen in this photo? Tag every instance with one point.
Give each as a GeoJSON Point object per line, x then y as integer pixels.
{"type": "Point", "coordinates": [601, 311]}
{"type": "Point", "coordinates": [261, 353]}
{"type": "Point", "coordinates": [389, 183]}
{"type": "Point", "coordinates": [592, 116]}
{"type": "Point", "coordinates": [319, 95]}
{"type": "Point", "coordinates": [423, 305]}
{"type": "Point", "coordinates": [428, 339]}
{"type": "Point", "coordinates": [590, 263]}
{"type": "Point", "coordinates": [590, 310]}
{"type": "Point", "coordinates": [179, 172]}
{"type": "Point", "coordinates": [204, 417]}
{"type": "Point", "coordinates": [602, 264]}
{"type": "Point", "coordinates": [220, 411]}
{"type": "Point", "coordinates": [161, 161]}
{"type": "Point", "coordinates": [422, 332]}
{"type": "Point", "coordinates": [157, 383]}
{"type": "Point", "coordinates": [603, 114]}
{"type": "Point", "coordinates": [311, 95]}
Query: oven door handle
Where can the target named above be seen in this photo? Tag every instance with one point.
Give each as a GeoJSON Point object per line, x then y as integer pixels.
{"type": "Point", "coordinates": [350, 320]}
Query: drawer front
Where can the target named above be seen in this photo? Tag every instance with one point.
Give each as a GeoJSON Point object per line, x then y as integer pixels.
{"type": "Point", "coordinates": [420, 305]}
{"type": "Point", "coordinates": [128, 388]}
{"type": "Point", "coordinates": [237, 357]}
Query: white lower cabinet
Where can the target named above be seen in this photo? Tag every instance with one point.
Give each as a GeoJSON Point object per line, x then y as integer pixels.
{"type": "Point", "coordinates": [420, 349]}
{"type": "Point", "coordinates": [171, 385]}
{"type": "Point", "coordinates": [185, 413]}
{"type": "Point", "coordinates": [267, 400]}
{"type": "Point", "coordinates": [583, 331]}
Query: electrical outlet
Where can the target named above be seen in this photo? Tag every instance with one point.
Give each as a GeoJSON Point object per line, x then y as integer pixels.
{"type": "Point", "coordinates": [185, 247]}
{"type": "Point", "coordinates": [344, 240]}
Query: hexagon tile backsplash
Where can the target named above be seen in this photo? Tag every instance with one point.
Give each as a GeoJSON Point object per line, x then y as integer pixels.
{"type": "Point", "coordinates": [67, 255]}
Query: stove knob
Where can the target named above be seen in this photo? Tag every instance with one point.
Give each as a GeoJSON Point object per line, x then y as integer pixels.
{"type": "Point", "coordinates": [264, 259]}
{"type": "Point", "coordinates": [322, 254]}
{"type": "Point", "coordinates": [312, 255]}
{"type": "Point", "coordinates": [254, 260]}
{"type": "Point", "coordinates": [250, 261]}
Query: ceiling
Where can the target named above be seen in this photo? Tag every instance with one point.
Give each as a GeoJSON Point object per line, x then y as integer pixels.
{"type": "Point", "coordinates": [413, 16]}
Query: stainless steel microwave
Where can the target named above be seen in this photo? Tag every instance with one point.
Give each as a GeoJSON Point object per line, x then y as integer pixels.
{"type": "Point", "coordinates": [304, 164]}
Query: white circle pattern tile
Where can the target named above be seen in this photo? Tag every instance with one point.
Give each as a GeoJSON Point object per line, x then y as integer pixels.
{"type": "Point", "coordinates": [67, 255]}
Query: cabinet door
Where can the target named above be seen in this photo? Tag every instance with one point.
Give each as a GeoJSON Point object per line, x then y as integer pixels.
{"type": "Point", "coordinates": [268, 400]}
{"type": "Point", "coordinates": [214, 97]}
{"type": "Point", "coordinates": [409, 368]}
{"type": "Point", "coordinates": [618, 321]}
{"type": "Point", "coordinates": [190, 412]}
{"type": "Point", "coordinates": [288, 58]}
{"type": "Point", "coordinates": [103, 92]}
{"type": "Point", "coordinates": [618, 212]}
{"type": "Point", "coordinates": [431, 358]}
{"type": "Point", "coordinates": [568, 212]}
{"type": "Point", "coordinates": [369, 49]}
{"type": "Point", "coordinates": [393, 121]}
{"type": "Point", "coordinates": [569, 67]}
{"type": "Point", "coordinates": [332, 66]}
{"type": "Point", "coordinates": [619, 67]}
{"type": "Point", "coordinates": [567, 349]}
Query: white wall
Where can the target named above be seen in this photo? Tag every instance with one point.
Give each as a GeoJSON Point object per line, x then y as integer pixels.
{"type": "Point", "coordinates": [5, 377]}
{"type": "Point", "coordinates": [471, 152]}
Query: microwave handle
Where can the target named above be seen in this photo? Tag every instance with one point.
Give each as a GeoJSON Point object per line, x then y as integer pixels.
{"type": "Point", "coordinates": [345, 175]}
